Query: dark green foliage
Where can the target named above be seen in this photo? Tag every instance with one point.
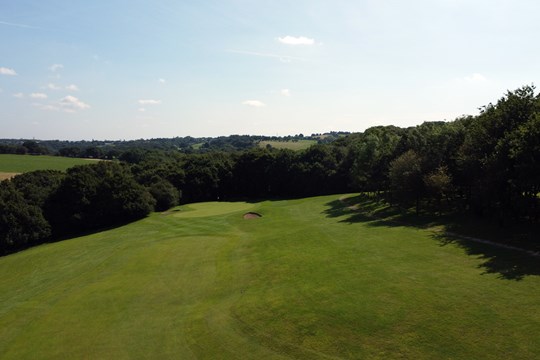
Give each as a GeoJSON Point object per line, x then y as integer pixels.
{"type": "Point", "coordinates": [37, 186]}
{"type": "Point", "coordinates": [32, 147]}
{"type": "Point", "coordinates": [438, 185]}
{"type": "Point", "coordinates": [94, 196]}
{"type": "Point", "coordinates": [405, 175]}
{"type": "Point", "coordinates": [165, 194]}
{"type": "Point", "coordinates": [21, 224]}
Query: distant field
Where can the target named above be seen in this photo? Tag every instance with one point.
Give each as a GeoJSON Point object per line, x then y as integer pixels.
{"type": "Point", "coordinates": [293, 145]}
{"type": "Point", "coordinates": [15, 164]}
{"type": "Point", "coordinates": [310, 279]}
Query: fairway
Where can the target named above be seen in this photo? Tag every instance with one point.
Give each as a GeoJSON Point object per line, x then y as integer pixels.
{"type": "Point", "coordinates": [16, 164]}
{"type": "Point", "coordinates": [307, 280]}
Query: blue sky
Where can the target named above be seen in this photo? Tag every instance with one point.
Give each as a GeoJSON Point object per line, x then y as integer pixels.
{"type": "Point", "coordinates": [144, 69]}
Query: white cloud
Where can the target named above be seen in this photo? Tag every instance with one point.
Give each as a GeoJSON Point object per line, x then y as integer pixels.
{"type": "Point", "coordinates": [38, 96]}
{"type": "Point", "coordinates": [300, 40]}
{"type": "Point", "coordinates": [18, 95]}
{"type": "Point", "coordinates": [52, 86]}
{"type": "Point", "coordinates": [7, 71]}
{"type": "Point", "coordinates": [162, 81]}
{"type": "Point", "coordinates": [71, 103]}
{"type": "Point", "coordinates": [72, 87]}
{"type": "Point", "coordinates": [475, 78]}
{"type": "Point", "coordinates": [56, 67]}
{"type": "Point", "coordinates": [285, 92]}
{"type": "Point", "coordinates": [149, 102]}
{"type": "Point", "coordinates": [254, 103]}
{"type": "Point", "coordinates": [142, 109]}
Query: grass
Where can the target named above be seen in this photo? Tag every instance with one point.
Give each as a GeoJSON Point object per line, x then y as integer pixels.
{"type": "Point", "coordinates": [292, 145]}
{"type": "Point", "coordinates": [16, 164]}
{"type": "Point", "coordinates": [307, 280]}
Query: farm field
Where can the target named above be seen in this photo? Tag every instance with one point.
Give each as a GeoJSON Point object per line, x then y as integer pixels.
{"type": "Point", "coordinates": [11, 165]}
{"type": "Point", "coordinates": [292, 145]}
{"type": "Point", "coordinates": [309, 279]}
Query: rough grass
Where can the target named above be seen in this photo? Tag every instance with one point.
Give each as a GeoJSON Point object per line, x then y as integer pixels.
{"type": "Point", "coordinates": [25, 163]}
{"type": "Point", "coordinates": [292, 145]}
{"type": "Point", "coordinates": [304, 281]}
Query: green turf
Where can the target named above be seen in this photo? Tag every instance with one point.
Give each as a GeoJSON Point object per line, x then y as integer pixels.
{"type": "Point", "coordinates": [293, 145]}
{"type": "Point", "coordinates": [307, 280]}
{"type": "Point", "coordinates": [26, 163]}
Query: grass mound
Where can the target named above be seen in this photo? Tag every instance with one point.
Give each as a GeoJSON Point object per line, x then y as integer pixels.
{"type": "Point", "coordinates": [308, 280]}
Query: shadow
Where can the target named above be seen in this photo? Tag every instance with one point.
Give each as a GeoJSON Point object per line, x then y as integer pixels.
{"type": "Point", "coordinates": [376, 212]}
{"type": "Point", "coordinates": [509, 253]}
{"type": "Point", "coordinates": [55, 238]}
{"type": "Point", "coordinates": [509, 264]}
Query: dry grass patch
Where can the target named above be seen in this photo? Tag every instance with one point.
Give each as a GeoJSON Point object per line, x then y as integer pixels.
{"type": "Point", "coordinates": [7, 175]}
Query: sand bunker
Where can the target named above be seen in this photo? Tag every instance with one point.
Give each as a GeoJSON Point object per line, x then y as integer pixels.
{"type": "Point", "coordinates": [252, 215]}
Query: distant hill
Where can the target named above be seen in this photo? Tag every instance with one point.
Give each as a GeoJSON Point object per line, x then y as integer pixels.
{"type": "Point", "coordinates": [109, 149]}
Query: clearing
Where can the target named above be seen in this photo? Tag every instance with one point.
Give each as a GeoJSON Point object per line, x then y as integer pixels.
{"type": "Point", "coordinates": [17, 164]}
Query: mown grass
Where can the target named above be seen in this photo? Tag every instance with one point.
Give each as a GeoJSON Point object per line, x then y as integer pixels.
{"type": "Point", "coordinates": [302, 281]}
{"type": "Point", "coordinates": [25, 163]}
{"type": "Point", "coordinates": [292, 145]}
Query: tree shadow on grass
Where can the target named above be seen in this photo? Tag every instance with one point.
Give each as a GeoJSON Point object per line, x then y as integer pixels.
{"type": "Point", "coordinates": [508, 263]}
{"type": "Point", "coordinates": [502, 258]}
{"type": "Point", "coordinates": [374, 212]}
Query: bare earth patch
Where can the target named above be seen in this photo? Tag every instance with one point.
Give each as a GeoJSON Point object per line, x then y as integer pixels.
{"type": "Point", "coordinates": [6, 175]}
{"type": "Point", "coordinates": [252, 215]}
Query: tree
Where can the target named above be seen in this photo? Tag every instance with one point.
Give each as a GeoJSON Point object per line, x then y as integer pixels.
{"type": "Point", "coordinates": [406, 177]}
{"type": "Point", "coordinates": [165, 194]}
{"type": "Point", "coordinates": [97, 195]}
{"type": "Point", "coordinates": [21, 224]}
{"type": "Point", "coordinates": [438, 184]}
{"type": "Point", "coordinates": [37, 186]}
{"type": "Point", "coordinates": [34, 148]}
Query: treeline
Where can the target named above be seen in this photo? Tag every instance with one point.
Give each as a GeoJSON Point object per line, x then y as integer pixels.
{"type": "Point", "coordinates": [487, 165]}
{"type": "Point", "coordinates": [109, 150]}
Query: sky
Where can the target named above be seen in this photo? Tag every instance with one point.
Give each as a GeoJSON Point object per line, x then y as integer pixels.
{"type": "Point", "coordinates": [132, 69]}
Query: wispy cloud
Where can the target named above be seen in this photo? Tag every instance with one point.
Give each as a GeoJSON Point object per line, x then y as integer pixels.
{"type": "Point", "coordinates": [475, 78]}
{"type": "Point", "coordinates": [56, 67]}
{"type": "Point", "coordinates": [254, 103]}
{"type": "Point", "coordinates": [18, 95]}
{"type": "Point", "coordinates": [72, 87]}
{"type": "Point", "coordinates": [7, 71]}
{"type": "Point", "coordinates": [38, 96]}
{"type": "Point", "coordinates": [72, 103]}
{"type": "Point", "coordinates": [282, 58]}
{"type": "Point", "coordinates": [142, 109]}
{"type": "Point", "coordinates": [18, 25]}
{"type": "Point", "coordinates": [149, 102]}
{"type": "Point", "coordinates": [285, 92]}
{"type": "Point", "coordinates": [161, 81]}
{"type": "Point", "coordinates": [292, 40]}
